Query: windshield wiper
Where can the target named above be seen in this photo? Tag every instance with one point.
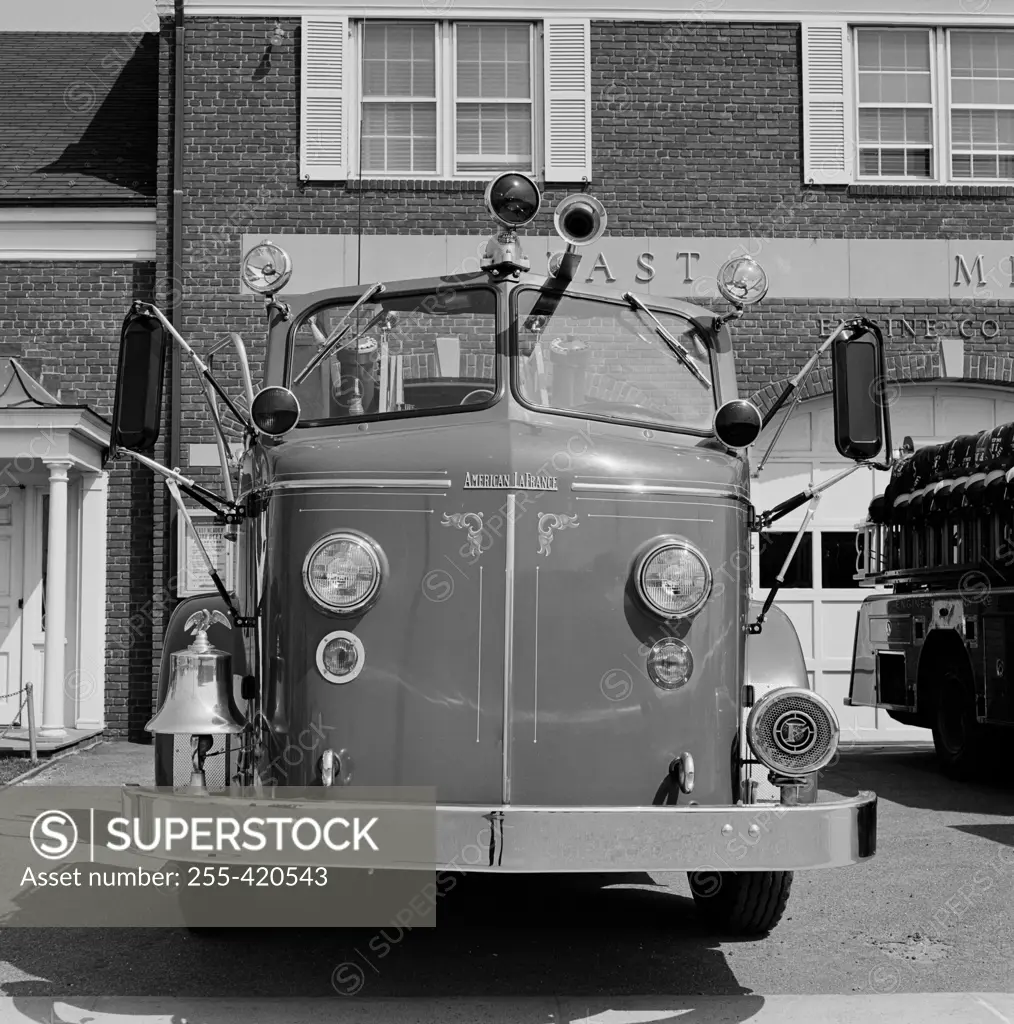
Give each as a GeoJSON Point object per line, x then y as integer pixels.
{"type": "Point", "coordinates": [331, 342]}
{"type": "Point", "coordinates": [677, 348]}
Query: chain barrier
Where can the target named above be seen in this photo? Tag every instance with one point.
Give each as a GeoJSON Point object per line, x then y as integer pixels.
{"type": "Point", "coordinates": [25, 692]}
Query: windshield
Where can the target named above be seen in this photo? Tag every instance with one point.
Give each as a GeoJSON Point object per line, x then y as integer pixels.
{"type": "Point", "coordinates": [399, 354]}
{"type": "Point", "coordinates": [603, 359]}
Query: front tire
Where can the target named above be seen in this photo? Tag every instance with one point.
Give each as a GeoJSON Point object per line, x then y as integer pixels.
{"type": "Point", "coordinates": [744, 902]}
{"type": "Point", "coordinates": [957, 736]}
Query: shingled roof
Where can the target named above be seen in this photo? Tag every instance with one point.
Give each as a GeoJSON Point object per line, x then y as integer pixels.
{"type": "Point", "coordinates": [79, 118]}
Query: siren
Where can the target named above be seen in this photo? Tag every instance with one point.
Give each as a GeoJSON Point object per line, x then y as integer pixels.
{"type": "Point", "coordinates": [579, 219]}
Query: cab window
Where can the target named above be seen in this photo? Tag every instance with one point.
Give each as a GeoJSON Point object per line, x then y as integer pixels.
{"type": "Point", "coordinates": [402, 354]}
{"type": "Point", "coordinates": [605, 360]}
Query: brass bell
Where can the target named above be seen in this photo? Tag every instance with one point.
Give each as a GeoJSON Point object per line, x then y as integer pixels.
{"type": "Point", "coordinates": [199, 699]}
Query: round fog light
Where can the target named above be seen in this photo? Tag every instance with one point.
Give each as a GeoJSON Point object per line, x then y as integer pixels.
{"type": "Point", "coordinates": [275, 411]}
{"type": "Point", "coordinates": [340, 657]}
{"type": "Point", "coordinates": [670, 663]}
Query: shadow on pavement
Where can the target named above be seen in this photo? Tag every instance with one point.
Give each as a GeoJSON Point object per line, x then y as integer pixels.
{"type": "Point", "coordinates": [685, 1009]}
{"type": "Point", "coordinates": [1003, 834]}
{"type": "Point", "coordinates": [494, 938]}
{"type": "Point", "coordinates": [912, 778]}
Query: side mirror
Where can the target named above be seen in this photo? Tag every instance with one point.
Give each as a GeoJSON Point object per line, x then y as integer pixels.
{"type": "Point", "coordinates": [860, 414]}
{"type": "Point", "coordinates": [137, 407]}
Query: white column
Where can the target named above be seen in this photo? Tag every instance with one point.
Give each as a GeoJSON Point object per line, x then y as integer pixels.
{"type": "Point", "coordinates": [56, 602]}
{"type": "Point", "coordinates": [91, 681]}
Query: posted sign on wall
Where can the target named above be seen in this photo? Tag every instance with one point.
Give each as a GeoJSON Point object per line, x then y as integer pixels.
{"type": "Point", "coordinates": [192, 576]}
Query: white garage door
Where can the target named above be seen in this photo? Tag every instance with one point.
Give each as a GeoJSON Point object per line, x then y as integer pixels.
{"type": "Point", "coordinates": [819, 594]}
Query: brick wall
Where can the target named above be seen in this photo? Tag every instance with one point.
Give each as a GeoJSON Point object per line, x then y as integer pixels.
{"type": "Point", "coordinates": [62, 321]}
{"type": "Point", "coordinates": [696, 131]}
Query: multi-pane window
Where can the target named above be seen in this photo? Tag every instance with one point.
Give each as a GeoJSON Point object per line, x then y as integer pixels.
{"type": "Point", "coordinates": [895, 104]}
{"type": "Point", "coordinates": [399, 99]}
{"type": "Point", "coordinates": [935, 105]}
{"type": "Point", "coordinates": [982, 104]}
{"type": "Point", "coordinates": [493, 98]}
{"type": "Point", "coordinates": [444, 98]}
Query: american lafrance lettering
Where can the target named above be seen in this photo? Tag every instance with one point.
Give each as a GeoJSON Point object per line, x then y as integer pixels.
{"type": "Point", "coordinates": [507, 481]}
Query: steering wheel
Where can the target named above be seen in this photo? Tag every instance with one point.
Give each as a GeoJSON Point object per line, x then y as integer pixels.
{"type": "Point", "coordinates": [476, 397]}
{"type": "Point", "coordinates": [605, 405]}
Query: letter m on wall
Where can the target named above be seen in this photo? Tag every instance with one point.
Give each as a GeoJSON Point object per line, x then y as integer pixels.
{"type": "Point", "coordinates": [828, 138]}
{"type": "Point", "coordinates": [566, 51]}
{"type": "Point", "coordinates": [323, 118]}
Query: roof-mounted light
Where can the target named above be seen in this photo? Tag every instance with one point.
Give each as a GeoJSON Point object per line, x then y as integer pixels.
{"type": "Point", "coordinates": [266, 268]}
{"type": "Point", "coordinates": [513, 199]}
{"type": "Point", "coordinates": [742, 281]}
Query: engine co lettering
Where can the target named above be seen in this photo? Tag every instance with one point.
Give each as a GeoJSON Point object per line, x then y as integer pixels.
{"type": "Point", "coordinates": [927, 327]}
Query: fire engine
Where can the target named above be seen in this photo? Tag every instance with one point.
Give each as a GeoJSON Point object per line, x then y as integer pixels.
{"type": "Point", "coordinates": [493, 537]}
{"type": "Point", "coordinates": [933, 651]}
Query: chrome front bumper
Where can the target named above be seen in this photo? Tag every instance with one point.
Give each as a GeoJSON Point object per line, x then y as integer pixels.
{"type": "Point", "coordinates": [754, 837]}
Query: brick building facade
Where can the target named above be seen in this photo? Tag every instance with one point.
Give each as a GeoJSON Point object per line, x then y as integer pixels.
{"type": "Point", "coordinates": [77, 195]}
{"type": "Point", "coordinates": [858, 156]}
{"type": "Point", "coordinates": [864, 157]}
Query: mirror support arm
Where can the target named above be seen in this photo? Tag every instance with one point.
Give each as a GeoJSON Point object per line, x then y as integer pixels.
{"type": "Point", "coordinates": [221, 442]}
{"type": "Point", "coordinates": [174, 490]}
{"type": "Point", "coordinates": [756, 627]}
{"type": "Point", "coordinates": [765, 519]}
{"type": "Point", "coordinates": [793, 385]}
{"type": "Point", "coordinates": [199, 364]}
{"type": "Point", "coordinates": [244, 364]}
{"type": "Point", "coordinates": [244, 368]}
{"type": "Point", "coordinates": [215, 502]}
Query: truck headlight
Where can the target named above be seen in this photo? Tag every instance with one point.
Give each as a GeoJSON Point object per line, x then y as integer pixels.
{"type": "Point", "coordinates": [342, 572]}
{"type": "Point", "coordinates": [673, 578]}
{"type": "Point", "coordinates": [792, 731]}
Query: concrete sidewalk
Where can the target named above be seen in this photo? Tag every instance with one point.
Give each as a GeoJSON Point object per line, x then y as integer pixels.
{"type": "Point", "coordinates": [896, 1008]}
{"type": "Point", "coordinates": [110, 763]}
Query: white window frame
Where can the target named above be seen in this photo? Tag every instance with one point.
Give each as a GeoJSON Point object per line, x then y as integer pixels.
{"type": "Point", "coordinates": [534, 62]}
{"type": "Point", "coordinates": [355, 127]}
{"type": "Point", "coordinates": [446, 98]}
{"type": "Point", "coordinates": [935, 136]}
{"type": "Point", "coordinates": [969, 106]}
{"type": "Point", "coordinates": [940, 94]}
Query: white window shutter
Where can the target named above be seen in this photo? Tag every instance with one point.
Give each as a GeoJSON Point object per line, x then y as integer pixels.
{"type": "Point", "coordinates": [828, 145]}
{"type": "Point", "coordinates": [323, 117]}
{"type": "Point", "coordinates": [567, 60]}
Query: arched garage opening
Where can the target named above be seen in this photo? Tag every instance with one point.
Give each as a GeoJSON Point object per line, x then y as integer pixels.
{"type": "Point", "coordinates": [819, 594]}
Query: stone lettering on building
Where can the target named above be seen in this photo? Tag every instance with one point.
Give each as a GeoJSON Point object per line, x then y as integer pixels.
{"type": "Point", "coordinates": [923, 327]}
